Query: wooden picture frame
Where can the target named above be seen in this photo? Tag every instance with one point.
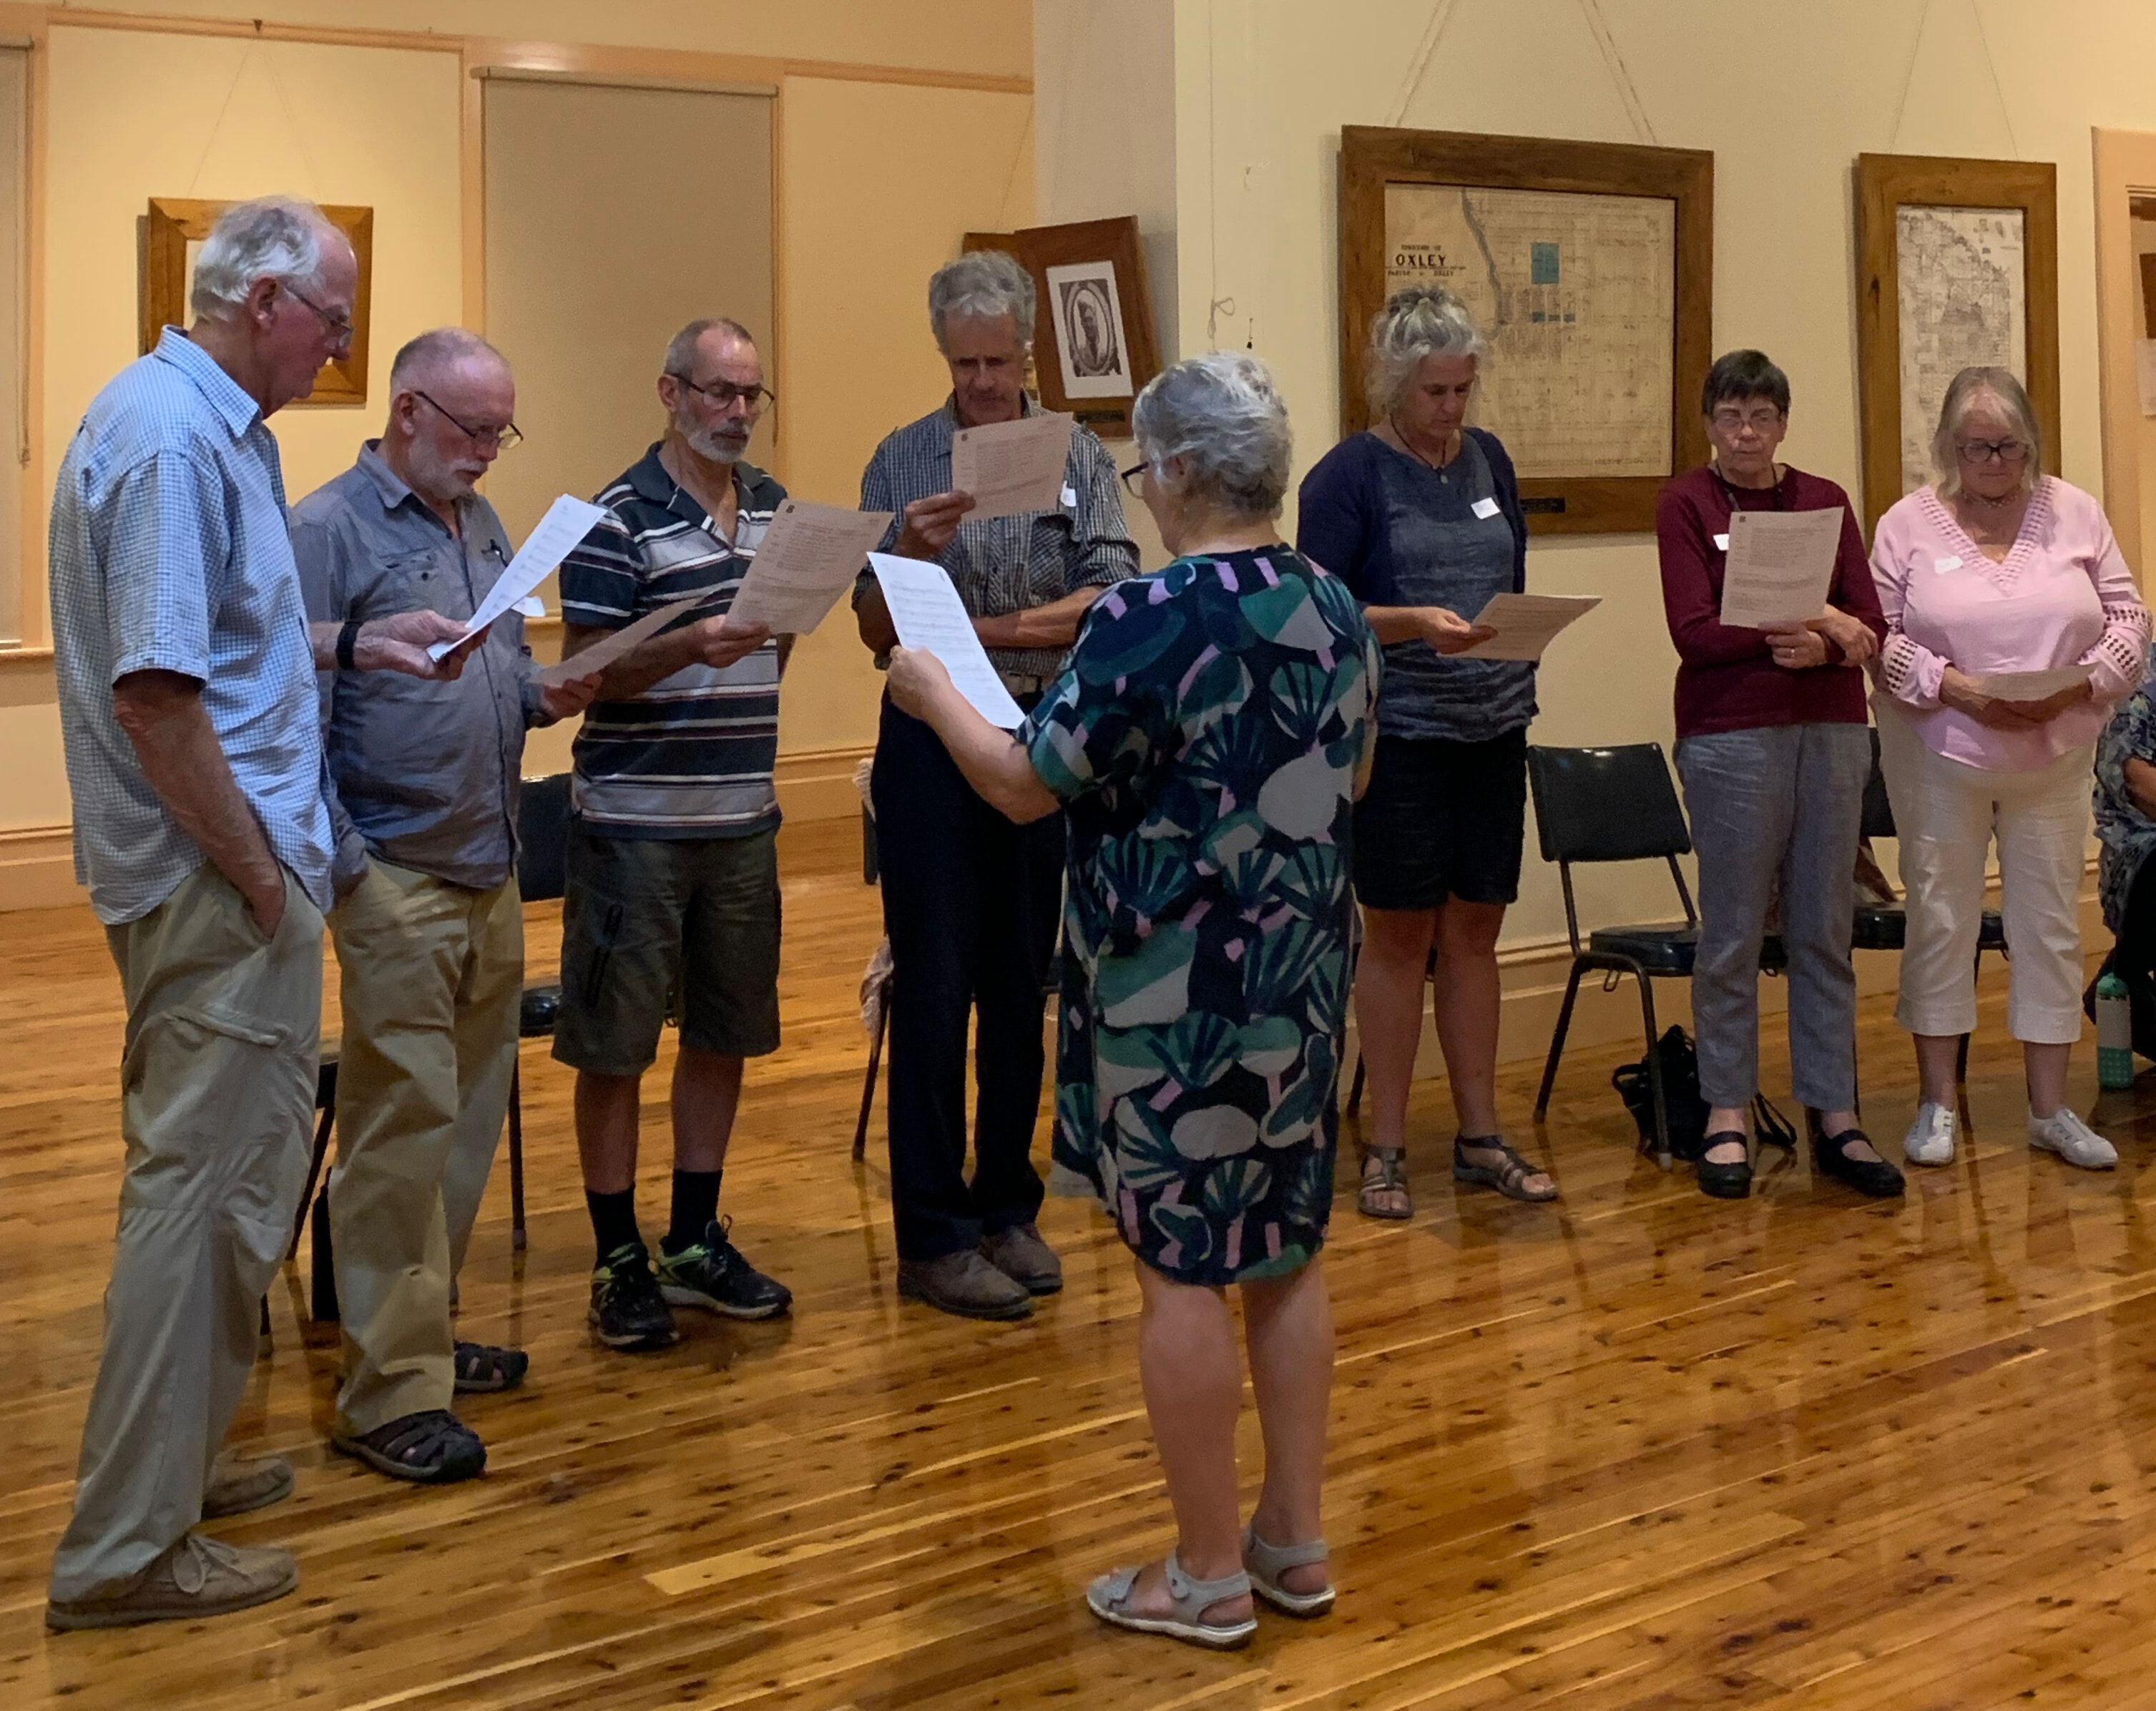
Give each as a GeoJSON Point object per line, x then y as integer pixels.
{"type": "Point", "coordinates": [174, 222]}
{"type": "Point", "coordinates": [1093, 343]}
{"type": "Point", "coordinates": [1888, 184]}
{"type": "Point", "coordinates": [1557, 500]}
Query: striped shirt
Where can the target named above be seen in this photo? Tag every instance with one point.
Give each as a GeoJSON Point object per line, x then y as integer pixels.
{"type": "Point", "coordinates": [1009, 563]}
{"type": "Point", "coordinates": [692, 755]}
{"type": "Point", "coordinates": [168, 553]}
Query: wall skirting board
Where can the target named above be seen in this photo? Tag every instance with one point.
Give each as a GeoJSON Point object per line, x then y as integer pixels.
{"type": "Point", "coordinates": [37, 863]}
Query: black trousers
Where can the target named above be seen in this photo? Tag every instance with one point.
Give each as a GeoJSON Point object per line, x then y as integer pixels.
{"type": "Point", "coordinates": [2132, 958]}
{"type": "Point", "coordinates": [971, 902]}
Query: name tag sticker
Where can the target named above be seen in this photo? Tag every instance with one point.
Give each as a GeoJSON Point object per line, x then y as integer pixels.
{"type": "Point", "coordinates": [1070, 495]}
{"type": "Point", "coordinates": [1722, 543]}
{"type": "Point", "coordinates": [1940, 567]}
{"type": "Point", "coordinates": [1486, 509]}
{"type": "Point", "coordinates": [531, 606]}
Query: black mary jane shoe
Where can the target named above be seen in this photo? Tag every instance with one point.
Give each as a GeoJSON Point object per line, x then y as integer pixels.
{"type": "Point", "coordinates": [1724, 1182]}
{"type": "Point", "coordinates": [1874, 1177]}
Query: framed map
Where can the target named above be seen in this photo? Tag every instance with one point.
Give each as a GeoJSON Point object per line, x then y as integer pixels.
{"type": "Point", "coordinates": [1588, 268]}
{"type": "Point", "coordinates": [1958, 266]}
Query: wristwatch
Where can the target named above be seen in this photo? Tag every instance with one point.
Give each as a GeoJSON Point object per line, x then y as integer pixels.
{"type": "Point", "coordinates": [347, 641]}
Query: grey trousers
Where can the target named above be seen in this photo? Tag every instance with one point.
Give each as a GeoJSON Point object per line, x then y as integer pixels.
{"type": "Point", "coordinates": [1786, 800]}
{"type": "Point", "coordinates": [216, 1101]}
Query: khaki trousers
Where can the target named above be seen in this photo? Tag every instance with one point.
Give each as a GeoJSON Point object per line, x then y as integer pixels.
{"type": "Point", "coordinates": [433, 979]}
{"type": "Point", "coordinates": [217, 1094]}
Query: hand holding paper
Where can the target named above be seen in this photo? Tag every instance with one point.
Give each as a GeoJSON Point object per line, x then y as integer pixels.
{"type": "Point", "coordinates": [810, 554]}
{"type": "Point", "coordinates": [926, 612]}
{"type": "Point", "coordinates": [567, 521]}
{"type": "Point", "coordinates": [1527, 624]}
{"type": "Point", "coordinates": [2026, 688]}
{"type": "Point", "coordinates": [611, 646]}
{"type": "Point", "coordinates": [1012, 468]}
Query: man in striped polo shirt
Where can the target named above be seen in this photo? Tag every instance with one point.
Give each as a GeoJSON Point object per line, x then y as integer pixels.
{"type": "Point", "coordinates": [672, 903]}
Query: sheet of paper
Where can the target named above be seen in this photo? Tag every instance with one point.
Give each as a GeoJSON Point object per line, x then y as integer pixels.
{"type": "Point", "coordinates": [2032, 685]}
{"type": "Point", "coordinates": [614, 644]}
{"type": "Point", "coordinates": [2145, 373]}
{"type": "Point", "coordinates": [1780, 566]}
{"type": "Point", "coordinates": [807, 558]}
{"type": "Point", "coordinates": [1527, 624]}
{"type": "Point", "coordinates": [928, 613]}
{"type": "Point", "coordinates": [1012, 468]}
{"type": "Point", "coordinates": [567, 521]}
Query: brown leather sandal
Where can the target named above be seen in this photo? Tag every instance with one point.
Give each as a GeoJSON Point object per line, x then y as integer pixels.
{"type": "Point", "coordinates": [1391, 1178]}
{"type": "Point", "coordinates": [1508, 1175]}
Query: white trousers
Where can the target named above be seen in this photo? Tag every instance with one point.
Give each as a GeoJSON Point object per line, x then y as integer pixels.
{"type": "Point", "coordinates": [1948, 814]}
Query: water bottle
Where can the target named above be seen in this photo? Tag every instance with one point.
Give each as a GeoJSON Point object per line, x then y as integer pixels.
{"type": "Point", "coordinates": [2114, 1033]}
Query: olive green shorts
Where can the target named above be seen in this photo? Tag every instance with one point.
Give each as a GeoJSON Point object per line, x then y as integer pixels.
{"type": "Point", "coordinates": [660, 928]}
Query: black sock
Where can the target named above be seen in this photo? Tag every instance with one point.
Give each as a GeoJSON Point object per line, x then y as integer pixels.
{"type": "Point", "coordinates": [613, 1220]}
{"type": "Point", "coordinates": [695, 1205]}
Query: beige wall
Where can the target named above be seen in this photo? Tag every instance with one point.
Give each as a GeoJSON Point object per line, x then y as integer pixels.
{"type": "Point", "coordinates": [1786, 111]}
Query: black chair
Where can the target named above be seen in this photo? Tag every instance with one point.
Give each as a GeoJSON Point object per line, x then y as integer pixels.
{"type": "Point", "coordinates": [1618, 804]}
{"type": "Point", "coordinates": [1885, 926]}
{"type": "Point", "coordinates": [542, 846]}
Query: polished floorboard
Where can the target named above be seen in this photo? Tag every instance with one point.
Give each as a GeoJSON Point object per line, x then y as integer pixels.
{"type": "Point", "coordinates": [1640, 1449]}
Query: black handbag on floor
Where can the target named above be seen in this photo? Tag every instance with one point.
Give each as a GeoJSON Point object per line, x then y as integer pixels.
{"type": "Point", "coordinates": [1683, 1105]}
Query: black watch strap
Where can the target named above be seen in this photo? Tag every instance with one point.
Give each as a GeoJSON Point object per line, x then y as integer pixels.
{"type": "Point", "coordinates": [347, 641]}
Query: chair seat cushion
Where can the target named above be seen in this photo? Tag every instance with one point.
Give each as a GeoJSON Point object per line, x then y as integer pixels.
{"type": "Point", "coordinates": [1669, 946]}
{"type": "Point", "coordinates": [541, 1004]}
{"type": "Point", "coordinates": [1885, 926]}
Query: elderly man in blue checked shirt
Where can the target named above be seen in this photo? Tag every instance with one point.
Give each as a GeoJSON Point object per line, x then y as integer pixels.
{"type": "Point", "coordinates": [186, 670]}
{"type": "Point", "coordinates": [971, 901]}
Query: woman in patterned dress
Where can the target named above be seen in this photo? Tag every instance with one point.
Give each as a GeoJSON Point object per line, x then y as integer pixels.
{"type": "Point", "coordinates": [1208, 737]}
{"type": "Point", "coordinates": [2126, 824]}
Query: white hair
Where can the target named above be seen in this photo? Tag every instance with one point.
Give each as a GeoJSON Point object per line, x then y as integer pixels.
{"type": "Point", "coordinates": [1965, 393]}
{"type": "Point", "coordinates": [985, 284]}
{"type": "Point", "coordinates": [1221, 415]}
{"type": "Point", "coordinates": [439, 348]}
{"type": "Point", "coordinates": [1417, 322]}
{"type": "Point", "coordinates": [270, 238]}
{"type": "Point", "coordinates": [681, 348]}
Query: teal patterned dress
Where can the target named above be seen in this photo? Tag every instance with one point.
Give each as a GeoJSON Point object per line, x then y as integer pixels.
{"type": "Point", "coordinates": [1208, 734]}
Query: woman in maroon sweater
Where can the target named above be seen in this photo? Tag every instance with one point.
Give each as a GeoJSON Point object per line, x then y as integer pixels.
{"type": "Point", "coordinates": [1773, 754]}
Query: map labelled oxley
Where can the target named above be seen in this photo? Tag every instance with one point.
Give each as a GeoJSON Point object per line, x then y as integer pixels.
{"type": "Point", "coordinates": [1963, 301]}
{"type": "Point", "coordinates": [1576, 296]}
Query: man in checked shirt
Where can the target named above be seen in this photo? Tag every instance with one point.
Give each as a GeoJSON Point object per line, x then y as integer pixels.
{"type": "Point", "coordinates": [971, 901]}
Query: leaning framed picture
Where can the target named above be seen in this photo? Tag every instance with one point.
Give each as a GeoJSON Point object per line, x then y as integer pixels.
{"type": "Point", "coordinates": [1588, 268]}
{"type": "Point", "coordinates": [1094, 347]}
{"type": "Point", "coordinates": [174, 231]}
{"type": "Point", "coordinates": [1958, 266]}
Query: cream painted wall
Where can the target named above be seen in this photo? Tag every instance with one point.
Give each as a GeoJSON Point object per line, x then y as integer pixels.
{"type": "Point", "coordinates": [882, 182]}
{"type": "Point", "coordinates": [1786, 104]}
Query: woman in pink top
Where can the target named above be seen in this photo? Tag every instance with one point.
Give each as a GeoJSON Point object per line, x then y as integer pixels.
{"type": "Point", "coordinates": [1999, 570]}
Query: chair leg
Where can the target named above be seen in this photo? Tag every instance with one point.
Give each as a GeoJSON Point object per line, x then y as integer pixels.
{"type": "Point", "coordinates": [517, 1159]}
{"type": "Point", "coordinates": [1556, 1041]}
{"type": "Point", "coordinates": [1662, 1154]}
{"type": "Point", "coordinates": [1961, 1052]}
{"type": "Point", "coordinates": [323, 1308]}
{"type": "Point", "coordinates": [869, 1084]}
{"type": "Point", "coordinates": [1355, 1087]}
{"type": "Point", "coordinates": [314, 1175]}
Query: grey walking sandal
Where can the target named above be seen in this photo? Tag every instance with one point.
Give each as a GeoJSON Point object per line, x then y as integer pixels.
{"type": "Point", "coordinates": [1109, 1599]}
{"type": "Point", "coordinates": [1266, 1563]}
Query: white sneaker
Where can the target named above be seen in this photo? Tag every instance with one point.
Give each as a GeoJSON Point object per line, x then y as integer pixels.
{"type": "Point", "coordinates": [2073, 1140]}
{"type": "Point", "coordinates": [1931, 1137]}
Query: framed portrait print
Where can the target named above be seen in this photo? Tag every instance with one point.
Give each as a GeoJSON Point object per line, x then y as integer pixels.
{"type": "Point", "coordinates": [1958, 266]}
{"type": "Point", "coordinates": [1093, 348]}
{"type": "Point", "coordinates": [1588, 269]}
{"type": "Point", "coordinates": [174, 231]}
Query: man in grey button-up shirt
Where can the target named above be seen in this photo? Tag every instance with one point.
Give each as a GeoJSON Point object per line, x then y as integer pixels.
{"type": "Point", "coordinates": [427, 922]}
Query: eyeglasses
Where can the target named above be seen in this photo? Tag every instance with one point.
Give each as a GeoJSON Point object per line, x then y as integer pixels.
{"type": "Point", "coordinates": [1758, 421]}
{"type": "Point", "coordinates": [1992, 452]}
{"type": "Point", "coordinates": [339, 326]}
{"type": "Point", "coordinates": [1131, 478]}
{"type": "Point", "coordinates": [502, 437]}
{"type": "Point", "coordinates": [724, 396]}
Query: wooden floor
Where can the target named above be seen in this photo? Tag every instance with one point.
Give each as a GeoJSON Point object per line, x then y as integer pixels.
{"type": "Point", "coordinates": [1644, 1449]}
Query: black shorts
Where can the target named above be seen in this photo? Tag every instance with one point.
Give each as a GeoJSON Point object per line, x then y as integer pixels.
{"type": "Point", "coordinates": [1442, 819]}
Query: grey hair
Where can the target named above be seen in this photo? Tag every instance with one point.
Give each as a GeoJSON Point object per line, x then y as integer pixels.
{"type": "Point", "coordinates": [1962, 392]}
{"type": "Point", "coordinates": [271, 238]}
{"type": "Point", "coordinates": [986, 284]}
{"type": "Point", "coordinates": [1221, 415]}
{"type": "Point", "coordinates": [1417, 322]}
{"type": "Point", "coordinates": [436, 348]}
{"type": "Point", "coordinates": [681, 348]}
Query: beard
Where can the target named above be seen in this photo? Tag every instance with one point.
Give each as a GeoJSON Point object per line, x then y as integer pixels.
{"type": "Point", "coordinates": [436, 477]}
{"type": "Point", "coordinates": [720, 445]}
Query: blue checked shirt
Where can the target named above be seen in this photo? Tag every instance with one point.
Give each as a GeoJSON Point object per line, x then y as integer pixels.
{"type": "Point", "coordinates": [1008, 563]}
{"type": "Point", "coordinates": [169, 552]}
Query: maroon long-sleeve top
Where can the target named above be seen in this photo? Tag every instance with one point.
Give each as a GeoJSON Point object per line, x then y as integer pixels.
{"type": "Point", "coordinates": [1727, 677]}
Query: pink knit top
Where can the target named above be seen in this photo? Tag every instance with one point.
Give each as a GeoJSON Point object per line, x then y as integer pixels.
{"type": "Point", "coordinates": [2063, 596]}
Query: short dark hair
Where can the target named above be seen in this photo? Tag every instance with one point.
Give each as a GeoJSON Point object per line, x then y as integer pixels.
{"type": "Point", "coordinates": [1744, 374]}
